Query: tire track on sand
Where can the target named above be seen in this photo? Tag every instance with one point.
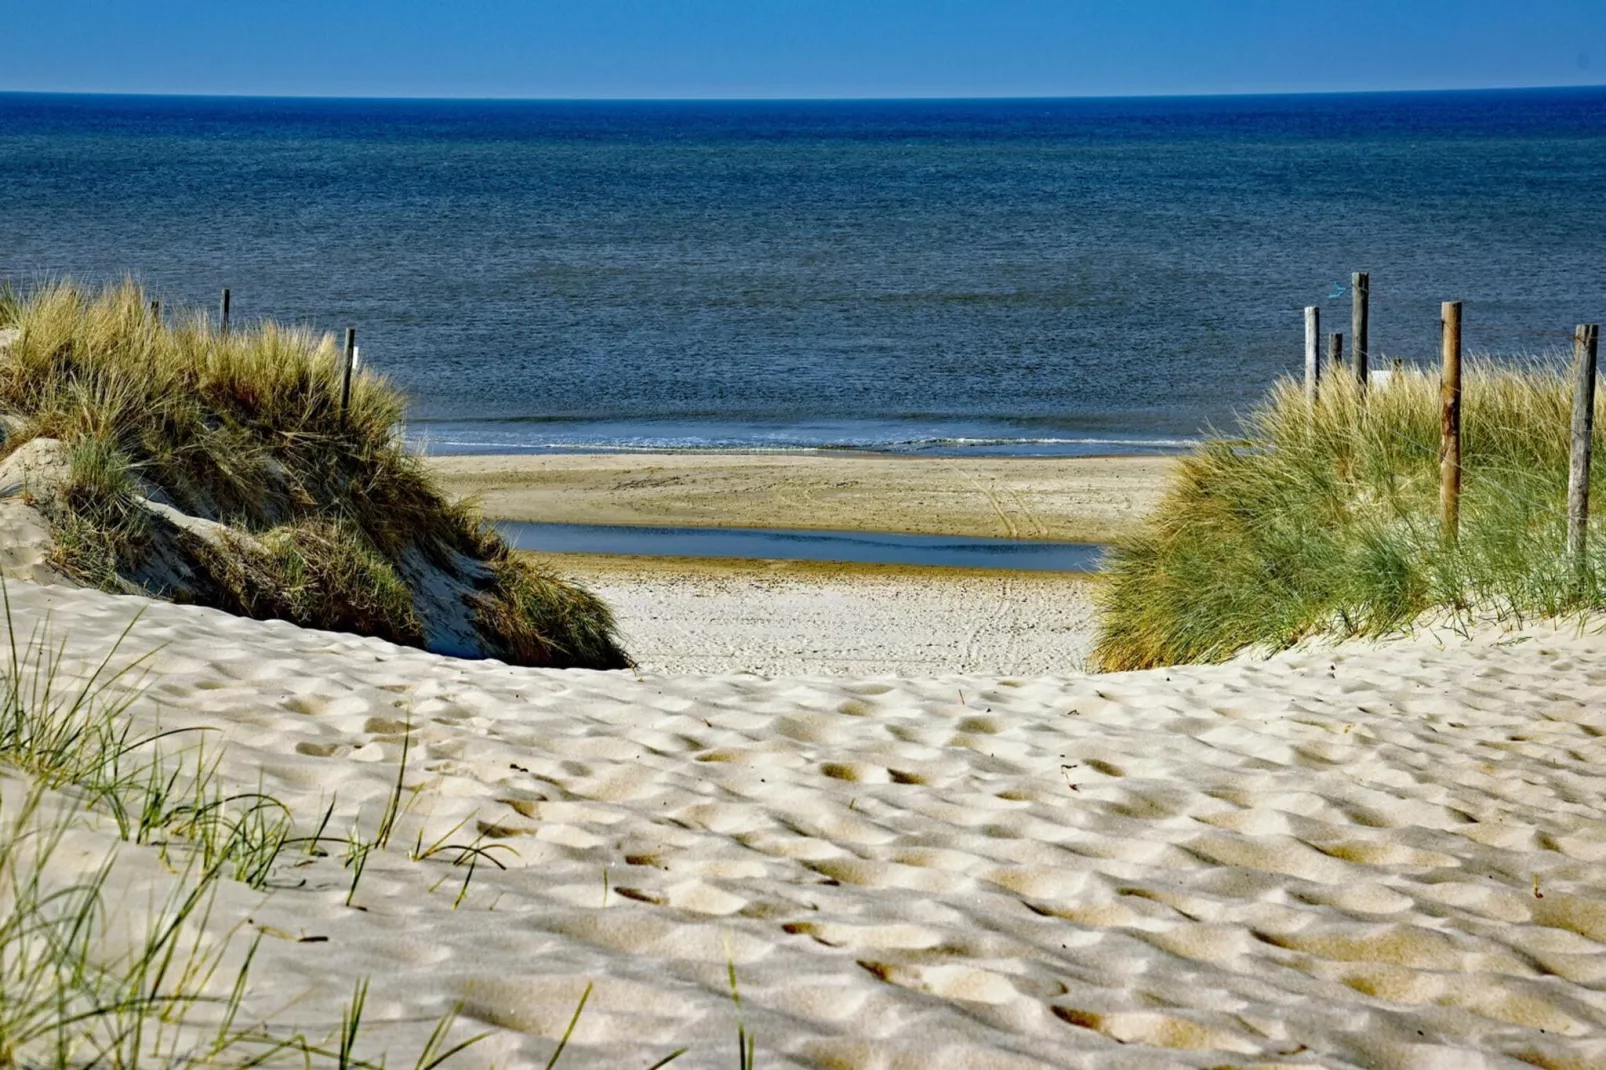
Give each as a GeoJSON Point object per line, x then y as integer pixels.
{"type": "Point", "coordinates": [1010, 529]}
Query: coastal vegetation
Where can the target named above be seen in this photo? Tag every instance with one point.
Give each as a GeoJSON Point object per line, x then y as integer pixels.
{"type": "Point", "coordinates": [1324, 521]}
{"type": "Point", "coordinates": [174, 458]}
{"type": "Point", "coordinates": [83, 980]}
{"type": "Point", "coordinates": [90, 975]}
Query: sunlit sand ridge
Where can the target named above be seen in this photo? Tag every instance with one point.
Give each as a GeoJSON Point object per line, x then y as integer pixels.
{"type": "Point", "coordinates": [1388, 855]}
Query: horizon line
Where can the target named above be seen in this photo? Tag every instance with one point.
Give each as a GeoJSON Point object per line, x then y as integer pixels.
{"type": "Point", "coordinates": [918, 98]}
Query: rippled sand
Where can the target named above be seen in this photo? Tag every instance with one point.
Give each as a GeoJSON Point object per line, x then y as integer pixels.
{"type": "Point", "coordinates": [1381, 856]}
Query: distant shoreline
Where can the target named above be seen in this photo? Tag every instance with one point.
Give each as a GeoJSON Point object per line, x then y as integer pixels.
{"type": "Point", "coordinates": [644, 438]}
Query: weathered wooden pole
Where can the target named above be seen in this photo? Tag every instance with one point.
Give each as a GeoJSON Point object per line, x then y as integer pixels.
{"type": "Point", "coordinates": [1313, 354]}
{"type": "Point", "coordinates": [345, 369]}
{"type": "Point", "coordinates": [1584, 342]}
{"type": "Point", "coordinates": [223, 312]}
{"type": "Point", "coordinates": [1359, 320]}
{"type": "Point", "coordinates": [1450, 424]}
{"type": "Point", "coordinates": [1335, 352]}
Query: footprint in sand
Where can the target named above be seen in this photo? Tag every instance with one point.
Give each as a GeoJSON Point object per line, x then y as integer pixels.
{"type": "Point", "coordinates": [1160, 1030]}
{"type": "Point", "coordinates": [896, 936]}
{"type": "Point", "coordinates": [967, 983]}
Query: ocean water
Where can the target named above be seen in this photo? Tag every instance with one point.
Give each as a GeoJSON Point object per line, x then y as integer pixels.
{"type": "Point", "coordinates": [1045, 276]}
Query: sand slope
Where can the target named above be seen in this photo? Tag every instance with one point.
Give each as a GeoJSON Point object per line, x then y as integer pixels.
{"type": "Point", "coordinates": [1325, 859]}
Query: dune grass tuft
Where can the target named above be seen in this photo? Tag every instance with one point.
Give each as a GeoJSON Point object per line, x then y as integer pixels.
{"type": "Point", "coordinates": [317, 573]}
{"type": "Point", "coordinates": [527, 607]}
{"type": "Point", "coordinates": [1324, 521]}
{"type": "Point", "coordinates": [335, 517]}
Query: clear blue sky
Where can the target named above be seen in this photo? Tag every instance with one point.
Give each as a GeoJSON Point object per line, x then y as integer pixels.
{"type": "Point", "coordinates": [794, 48]}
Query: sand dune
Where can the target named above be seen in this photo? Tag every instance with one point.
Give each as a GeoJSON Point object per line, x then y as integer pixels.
{"type": "Point", "coordinates": [1379, 856]}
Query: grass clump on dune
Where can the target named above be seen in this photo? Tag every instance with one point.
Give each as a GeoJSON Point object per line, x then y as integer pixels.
{"type": "Point", "coordinates": [1324, 521]}
{"type": "Point", "coordinates": [220, 468]}
{"type": "Point", "coordinates": [291, 571]}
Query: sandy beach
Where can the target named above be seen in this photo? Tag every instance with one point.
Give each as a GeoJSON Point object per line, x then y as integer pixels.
{"type": "Point", "coordinates": [1380, 855]}
{"type": "Point", "coordinates": [1076, 499]}
{"type": "Point", "coordinates": [795, 690]}
{"type": "Point", "coordinates": [690, 615]}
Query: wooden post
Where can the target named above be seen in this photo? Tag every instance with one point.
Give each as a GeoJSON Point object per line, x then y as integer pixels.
{"type": "Point", "coordinates": [1360, 315]}
{"type": "Point", "coordinates": [1313, 355]}
{"type": "Point", "coordinates": [1335, 351]}
{"type": "Point", "coordinates": [223, 312]}
{"type": "Point", "coordinates": [1584, 341]}
{"type": "Point", "coordinates": [156, 310]}
{"type": "Point", "coordinates": [1450, 424]}
{"type": "Point", "coordinates": [345, 369]}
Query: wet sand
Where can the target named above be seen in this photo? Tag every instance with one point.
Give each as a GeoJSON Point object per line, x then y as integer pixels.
{"type": "Point", "coordinates": [1079, 499]}
{"type": "Point", "coordinates": [699, 615]}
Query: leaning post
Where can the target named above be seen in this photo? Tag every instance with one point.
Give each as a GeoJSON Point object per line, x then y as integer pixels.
{"type": "Point", "coordinates": [1583, 433]}
{"type": "Point", "coordinates": [1313, 355]}
{"type": "Point", "coordinates": [345, 370]}
{"type": "Point", "coordinates": [1360, 321]}
{"type": "Point", "coordinates": [1450, 424]}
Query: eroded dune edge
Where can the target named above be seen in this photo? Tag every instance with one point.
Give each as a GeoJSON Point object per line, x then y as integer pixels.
{"type": "Point", "coordinates": [1385, 855]}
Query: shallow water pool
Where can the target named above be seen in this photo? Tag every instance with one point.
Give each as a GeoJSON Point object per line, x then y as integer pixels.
{"type": "Point", "coordinates": [859, 547]}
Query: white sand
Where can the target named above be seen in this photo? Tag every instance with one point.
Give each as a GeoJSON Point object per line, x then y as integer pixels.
{"type": "Point", "coordinates": [1325, 859]}
{"type": "Point", "coordinates": [684, 616]}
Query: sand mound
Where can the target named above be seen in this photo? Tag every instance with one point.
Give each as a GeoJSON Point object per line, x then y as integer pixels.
{"type": "Point", "coordinates": [1380, 856]}
{"type": "Point", "coordinates": [200, 560]}
{"type": "Point", "coordinates": [249, 470]}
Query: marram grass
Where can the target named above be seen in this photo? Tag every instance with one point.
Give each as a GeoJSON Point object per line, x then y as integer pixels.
{"type": "Point", "coordinates": [1324, 521]}
{"type": "Point", "coordinates": [246, 428]}
{"type": "Point", "coordinates": [76, 992]}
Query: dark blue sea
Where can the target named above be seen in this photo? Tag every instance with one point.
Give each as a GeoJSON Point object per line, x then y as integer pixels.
{"type": "Point", "coordinates": [1034, 276]}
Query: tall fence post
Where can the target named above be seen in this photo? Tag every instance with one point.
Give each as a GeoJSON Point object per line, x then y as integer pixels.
{"type": "Point", "coordinates": [1450, 424]}
{"type": "Point", "coordinates": [1335, 352]}
{"type": "Point", "coordinates": [345, 370]}
{"type": "Point", "coordinates": [223, 312]}
{"type": "Point", "coordinates": [1360, 321]}
{"type": "Point", "coordinates": [1584, 342]}
{"type": "Point", "coordinates": [1313, 355]}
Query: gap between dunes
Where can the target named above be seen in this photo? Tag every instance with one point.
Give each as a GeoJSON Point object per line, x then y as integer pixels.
{"type": "Point", "coordinates": [682, 615]}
